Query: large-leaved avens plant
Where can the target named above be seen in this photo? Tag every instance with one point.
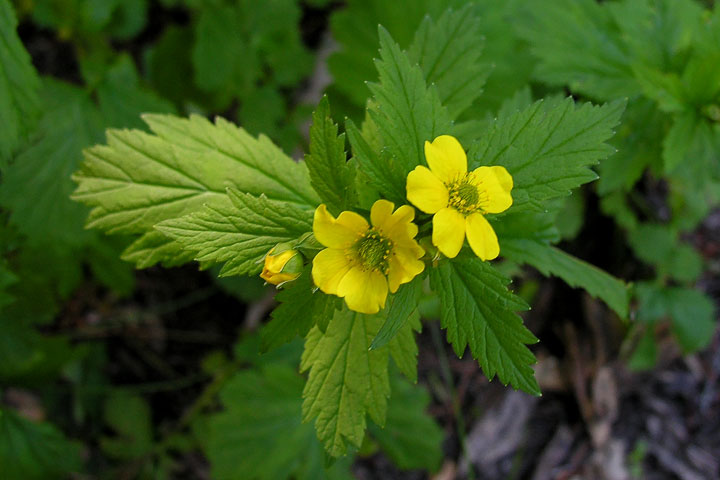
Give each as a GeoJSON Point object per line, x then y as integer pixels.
{"type": "Point", "coordinates": [356, 240]}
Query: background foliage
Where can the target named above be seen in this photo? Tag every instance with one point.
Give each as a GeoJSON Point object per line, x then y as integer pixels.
{"type": "Point", "coordinates": [71, 301]}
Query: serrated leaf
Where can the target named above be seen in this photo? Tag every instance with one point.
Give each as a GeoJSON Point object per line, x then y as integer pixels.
{"type": "Point", "coordinates": [403, 347]}
{"type": "Point", "coordinates": [411, 438]}
{"type": "Point", "coordinates": [19, 86]}
{"type": "Point", "coordinates": [575, 272]}
{"type": "Point", "coordinates": [138, 180]}
{"type": "Point", "coordinates": [406, 112]}
{"type": "Point", "coordinates": [478, 310]}
{"type": "Point", "coordinates": [262, 406]}
{"type": "Point", "coordinates": [448, 50]}
{"type": "Point", "coordinates": [301, 307]}
{"type": "Point", "coordinates": [586, 53]}
{"type": "Point", "coordinates": [346, 381]}
{"type": "Point", "coordinates": [35, 450]}
{"type": "Point", "coordinates": [239, 235]}
{"type": "Point", "coordinates": [548, 149]}
{"type": "Point", "coordinates": [332, 177]}
{"type": "Point", "coordinates": [404, 302]}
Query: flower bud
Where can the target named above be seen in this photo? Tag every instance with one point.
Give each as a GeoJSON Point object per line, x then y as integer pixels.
{"type": "Point", "coordinates": [282, 264]}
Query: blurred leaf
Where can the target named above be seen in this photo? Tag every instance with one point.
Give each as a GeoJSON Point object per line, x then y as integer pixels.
{"type": "Point", "coordinates": [586, 53]}
{"type": "Point", "coordinates": [42, 171]}
{"type": "Point", "coordinates": [658, 245]}
{"type": "Point", "coordinates": [644, 356]}
{"type": "Point", "coordinates": [129, 416]}
{"type": "Point", "coordinates": [411, 438]}
{"type": "Point", "coordinates": [30, 450]}
{"type": "Point", "coordinates": [262, 406]}
{"type": "Point", "coordinates": [575, 272]}
{"type": "Point", "coordinates": [19, 85]}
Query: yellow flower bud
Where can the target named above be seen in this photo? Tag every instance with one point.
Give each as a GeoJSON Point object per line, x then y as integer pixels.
{"type": "Point", "coordinates": [282, 264]}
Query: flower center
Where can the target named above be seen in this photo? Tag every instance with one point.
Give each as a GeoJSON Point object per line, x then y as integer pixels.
{"type": "Point", "coordinates": [464, 196]}
{"type": "Point", "coordinates": [374, 251]}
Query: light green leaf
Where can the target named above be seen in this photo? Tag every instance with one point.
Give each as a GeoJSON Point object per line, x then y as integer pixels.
{"type": "Point", "coordinates": [262, 406]}
{"type": "Point", "coordinates": [575, 272]}
{"type": "Point", "coordinates": [548, 149]}
{"type": "Point", "coordinates": [30, 450]}
{"type": "Point", "coordinates": [240, 234]}
{"type": "Point", "coordinates": [586, 53]}
{"type": "Point", "coordinates": [332, 177]}
{"type": "Point", "coordinates": [448, 51]}
{"type": "Point", "coordinates": [19, 85]}
{"type": "Point", "coordinates": [301, 307]}
{"type": "Point", "coordinates": [478, 309]}
{"type": "Point", "coordinates": [406, 112]}
{"type": "Point", "coordinates": [411, 438]}
{"type": "Point", "coordinates": [138, 180]}
{"type": "Point", "coordinates": [346, 381]}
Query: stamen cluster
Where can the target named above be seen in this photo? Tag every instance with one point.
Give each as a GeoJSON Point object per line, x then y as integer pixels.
{"type": "Point", "coordinates": [373, 250]}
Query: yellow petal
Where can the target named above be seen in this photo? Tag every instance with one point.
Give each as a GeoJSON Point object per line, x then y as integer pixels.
{"type": "Point", "coordinates": [403, 267]}
{"type": "Point", "coordinates": [381, 212]}
{"type": "Point", "coordinates": [448, 231]}
{"type": "Point", "coordinates": [446, 158]}
{"type": "Point", "coordinates": [328, 269]}
{"type": "Point", "coordinates": [365, 291]}
{"type": "Point", "coordinates": [338, 233]}
{"type": "Point", "coordinates": [426, 191]}
{"type": "Point", "coordinates": [494, 186]}
{"type": "Point", "coordinates": [481, 237]}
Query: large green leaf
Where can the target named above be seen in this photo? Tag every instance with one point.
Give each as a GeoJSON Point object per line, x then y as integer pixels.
{"type": "Point", "coordinates": [346, 381]}
{"type": "Point", "coordinates": [478, 310]}
{"type": "Point", "coordinates": [138, 180]}
{"type": "Point", "coordinates": [332, 177]}
{"type": "Point", "coordinates": [548, 148]}
{"type": "Point", "coordinates": [407, 113]}
{"type": "Point", "coordinates": [239, 234]}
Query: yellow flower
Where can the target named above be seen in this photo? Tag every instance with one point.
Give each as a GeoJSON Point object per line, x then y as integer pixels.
{"type": "Point", "coordinates": [282, 264]}
{"type": "Point", "coordinates": [458, 198]}
{"type": "Point", "coordinates": [362, 262]}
